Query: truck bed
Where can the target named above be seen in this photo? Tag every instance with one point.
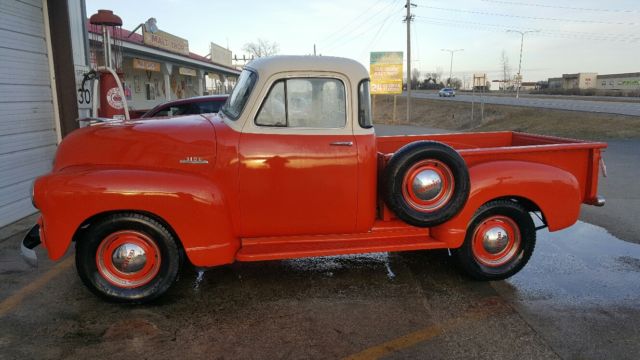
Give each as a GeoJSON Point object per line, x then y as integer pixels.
{"type": "Point", "coordinates": [580, 158]}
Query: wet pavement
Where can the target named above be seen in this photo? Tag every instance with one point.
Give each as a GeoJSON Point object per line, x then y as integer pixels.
{"type": "Point", "coordinates": [578, 298]}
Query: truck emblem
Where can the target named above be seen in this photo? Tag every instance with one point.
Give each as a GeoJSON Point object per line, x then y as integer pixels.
{"type": "Point", "coordinates": [193, 160]}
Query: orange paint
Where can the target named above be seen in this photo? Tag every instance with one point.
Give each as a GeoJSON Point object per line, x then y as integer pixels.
{"type": "Point", "coordinates": [258, 196]}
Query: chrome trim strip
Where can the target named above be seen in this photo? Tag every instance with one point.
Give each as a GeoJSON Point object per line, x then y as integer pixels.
{"type": "Point", "coordinates": [342, 143]}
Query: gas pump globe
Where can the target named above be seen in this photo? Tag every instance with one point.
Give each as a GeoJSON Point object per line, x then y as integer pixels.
{"type": "Point", "coordinates": [106, 61]}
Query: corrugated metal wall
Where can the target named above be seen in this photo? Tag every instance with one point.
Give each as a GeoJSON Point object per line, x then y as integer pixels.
{"type": "Point", "coordinates": [27, 130]}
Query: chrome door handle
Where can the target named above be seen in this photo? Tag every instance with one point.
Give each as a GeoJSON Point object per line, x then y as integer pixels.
{"type": "Point", "coordinates": [342, 143]}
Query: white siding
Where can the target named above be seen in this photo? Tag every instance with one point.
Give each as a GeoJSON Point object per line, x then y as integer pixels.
{"type": "Point", "coordinates": [27, 132]}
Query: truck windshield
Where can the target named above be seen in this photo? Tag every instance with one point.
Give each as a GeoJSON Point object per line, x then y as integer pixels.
{"type": "Point", "coordinates": [240, 94]}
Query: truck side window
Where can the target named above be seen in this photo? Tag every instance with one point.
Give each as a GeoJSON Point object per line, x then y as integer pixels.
{"type": "Point", "coordinates": [364, 105]}
{"type": "Point", "coordinates": [305, 102]}
{"type": "Point", "coordinates": [273, 111]}
{"type": "Point", "coordinates": [316, 103]}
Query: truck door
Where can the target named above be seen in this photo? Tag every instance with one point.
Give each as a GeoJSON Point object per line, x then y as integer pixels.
{"type": "Point", "coordinates": [298, 171]}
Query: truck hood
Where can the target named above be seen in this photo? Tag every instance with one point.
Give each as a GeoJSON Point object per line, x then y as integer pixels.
{"type": "Point", "coordinates": [176, 143]}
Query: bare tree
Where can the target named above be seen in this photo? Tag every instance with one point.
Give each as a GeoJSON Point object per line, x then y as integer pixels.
{"type": "Point", "coordinates": [456, 83]}
{"type": "Point", "coordinates": [261, 48]}
{"type": "Point", "coordinates": [506, 70]}
{"type": "Point", "coordinates": [434, 77]}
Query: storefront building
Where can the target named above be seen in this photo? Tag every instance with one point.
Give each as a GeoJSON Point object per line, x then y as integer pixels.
{"type": "Point", "coordinates": [158, 67]}
{"type": "Point", "coordinates": [626, 82]}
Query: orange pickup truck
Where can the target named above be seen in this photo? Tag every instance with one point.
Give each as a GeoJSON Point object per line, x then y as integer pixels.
{"type": "Point", "coordinates": [291, 167]}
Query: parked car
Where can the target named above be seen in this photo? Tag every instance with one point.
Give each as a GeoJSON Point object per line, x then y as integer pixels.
{"type": "Point", "coordinates": [447, 92]}
{"type": "Point", "coordinates": [189, 106]}
{"type": "Point", "coordinates": [271, 178]}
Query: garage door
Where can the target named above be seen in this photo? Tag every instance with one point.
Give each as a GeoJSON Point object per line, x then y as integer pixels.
{"type": "Point", "coordinates": [27, 132]}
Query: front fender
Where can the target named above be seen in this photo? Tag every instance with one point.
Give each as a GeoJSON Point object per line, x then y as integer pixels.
{"type": "Point", "coordinates": [555, 191]}
{"type": "Point", "coordinates": [192, 205]}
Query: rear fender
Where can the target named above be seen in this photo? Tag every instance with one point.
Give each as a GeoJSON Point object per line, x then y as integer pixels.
{"type": "Point", "coordinates": [192, 205]}
{"type": "Point", "coordinates": [555, 191]}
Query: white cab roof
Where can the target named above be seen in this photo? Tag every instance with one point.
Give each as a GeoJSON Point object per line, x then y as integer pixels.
{"type": "Point", "coordinates": [267, 66]}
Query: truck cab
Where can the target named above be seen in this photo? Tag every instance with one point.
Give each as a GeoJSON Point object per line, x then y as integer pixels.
{"type": "Point", "coordinates": [291, 167]}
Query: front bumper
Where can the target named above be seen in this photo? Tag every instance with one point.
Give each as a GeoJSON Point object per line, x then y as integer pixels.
{"type": "Point", "coordinates": [30, 241]}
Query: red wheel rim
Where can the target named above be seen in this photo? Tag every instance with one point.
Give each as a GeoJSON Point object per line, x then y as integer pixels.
{"type": "Point", "coordinates": [428, 185]}
{"type": "Point", "coordinates": [496, 241]}
{"type": "Point", "coordinates": [128, 259]}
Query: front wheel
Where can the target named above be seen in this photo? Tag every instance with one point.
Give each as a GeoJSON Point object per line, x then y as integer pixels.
{"type": "Point", "coordinates": [499, 241]}
{"type": "Point", "coordinates": [128, 258]}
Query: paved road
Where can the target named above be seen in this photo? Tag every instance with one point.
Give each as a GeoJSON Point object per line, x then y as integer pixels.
{"type": "Point", "coordinates": [621, 108]}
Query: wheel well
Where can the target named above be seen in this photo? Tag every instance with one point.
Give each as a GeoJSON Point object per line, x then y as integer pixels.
{"type": "Point", "coordinates": [529, 205]}
{"type": "Point", "coordinates": [87, 223]}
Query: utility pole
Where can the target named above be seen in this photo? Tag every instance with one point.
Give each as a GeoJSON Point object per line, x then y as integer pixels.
{"type": "Point", "coordinates": [314, 49]}
{"type": "Point", "coordinates": [519, 76]}
{"type": "Point", "coordinates": [451, 65]}
{"type": "Point", "coordinates": [408, 20]}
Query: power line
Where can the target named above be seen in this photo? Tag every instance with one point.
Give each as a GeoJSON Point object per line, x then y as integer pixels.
{"type": "Point", "coordinates": [375, 37]}
{"type": "Point", "coordinates": [353, 36]}
{"type": "Point", "coordinates": [351, 22]}
{"type": "Point", "coordinates": [527, 17]}
{"type": "Point", "coordinates": [607, 36]}
{"type": "Point", "coordinates": [542, 33]}
{"type": "Point", "coordinates": [356, 25]}
{"type": "Point", "coordinates": [558, 6]}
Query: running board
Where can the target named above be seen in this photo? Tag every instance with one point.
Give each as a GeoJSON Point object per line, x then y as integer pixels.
{"type": "Point", "coordinates": [385, 237]}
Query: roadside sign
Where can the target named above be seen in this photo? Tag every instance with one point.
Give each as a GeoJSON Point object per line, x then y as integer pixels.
{"type": "Point", "coordinates": [385, 72]}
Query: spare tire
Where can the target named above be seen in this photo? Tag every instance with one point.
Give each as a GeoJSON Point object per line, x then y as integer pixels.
{"type": "Point", "coordinates": [425, 183]}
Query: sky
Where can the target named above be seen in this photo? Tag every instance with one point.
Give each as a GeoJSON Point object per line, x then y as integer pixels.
{"type": "Point", "coordinates": [572, 35]}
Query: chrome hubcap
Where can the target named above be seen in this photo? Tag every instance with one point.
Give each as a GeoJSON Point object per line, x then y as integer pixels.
{"type": "Point", "coordinates": [427, 185]}
{"type": "Point", "coordinates": [129, 258]}
{"type": "Point", "coordinates": [495, 240]}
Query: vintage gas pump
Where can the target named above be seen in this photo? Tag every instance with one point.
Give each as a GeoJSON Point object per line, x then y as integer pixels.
{"type": "Point", "coordinates": [107, 67]}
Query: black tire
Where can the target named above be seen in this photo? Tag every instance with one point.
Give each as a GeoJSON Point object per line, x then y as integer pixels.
{"type": "Point", "coordinates": [153, 235]}
{"type": "Point", "coordinates": [508, 213]}
{"type": "Point", "coordinates": [437, 157]}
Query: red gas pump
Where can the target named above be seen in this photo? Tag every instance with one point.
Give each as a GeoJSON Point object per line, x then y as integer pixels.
{"type": "Point", "coordinates": [108, 67]}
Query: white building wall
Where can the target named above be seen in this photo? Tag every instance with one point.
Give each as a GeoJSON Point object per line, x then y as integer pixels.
{"type": "Point", "coordinates": [27, 128]}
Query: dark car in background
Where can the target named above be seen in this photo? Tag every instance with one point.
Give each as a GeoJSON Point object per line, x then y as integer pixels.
{"type": "Point", "coordinates": [194, 105]}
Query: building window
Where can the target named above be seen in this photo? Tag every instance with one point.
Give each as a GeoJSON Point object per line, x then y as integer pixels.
{"type": "Point", "coordinates": [150, 91]}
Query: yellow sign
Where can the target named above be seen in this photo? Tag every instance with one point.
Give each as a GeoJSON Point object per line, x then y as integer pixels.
{"type": "Point", "coordinates": [385, 72]}
{"type": "Point", "coordinates": [187, 71]}
{"type": "Point", "coordinates": [146, 65]}
{"type": "Point", "coordinates": [166, 41]}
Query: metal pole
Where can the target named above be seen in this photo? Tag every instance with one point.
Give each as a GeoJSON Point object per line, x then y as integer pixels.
{"type": "Point", "coordinates": [408, 19]}
{"type": "Point", "coordinates": [450, 69]}
{"type": "Point", "coordinates": [451, 51]}
{"type": "Point", "coordinates": [520, 66]}
{"type": "Point", "coordinates": [519, 79]}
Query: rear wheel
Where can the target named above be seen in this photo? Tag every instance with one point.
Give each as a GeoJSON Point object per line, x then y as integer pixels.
{"type": "Point", "coordinates": [128, 258]}
{"type": "Point", "coordinates": [499, 241]}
